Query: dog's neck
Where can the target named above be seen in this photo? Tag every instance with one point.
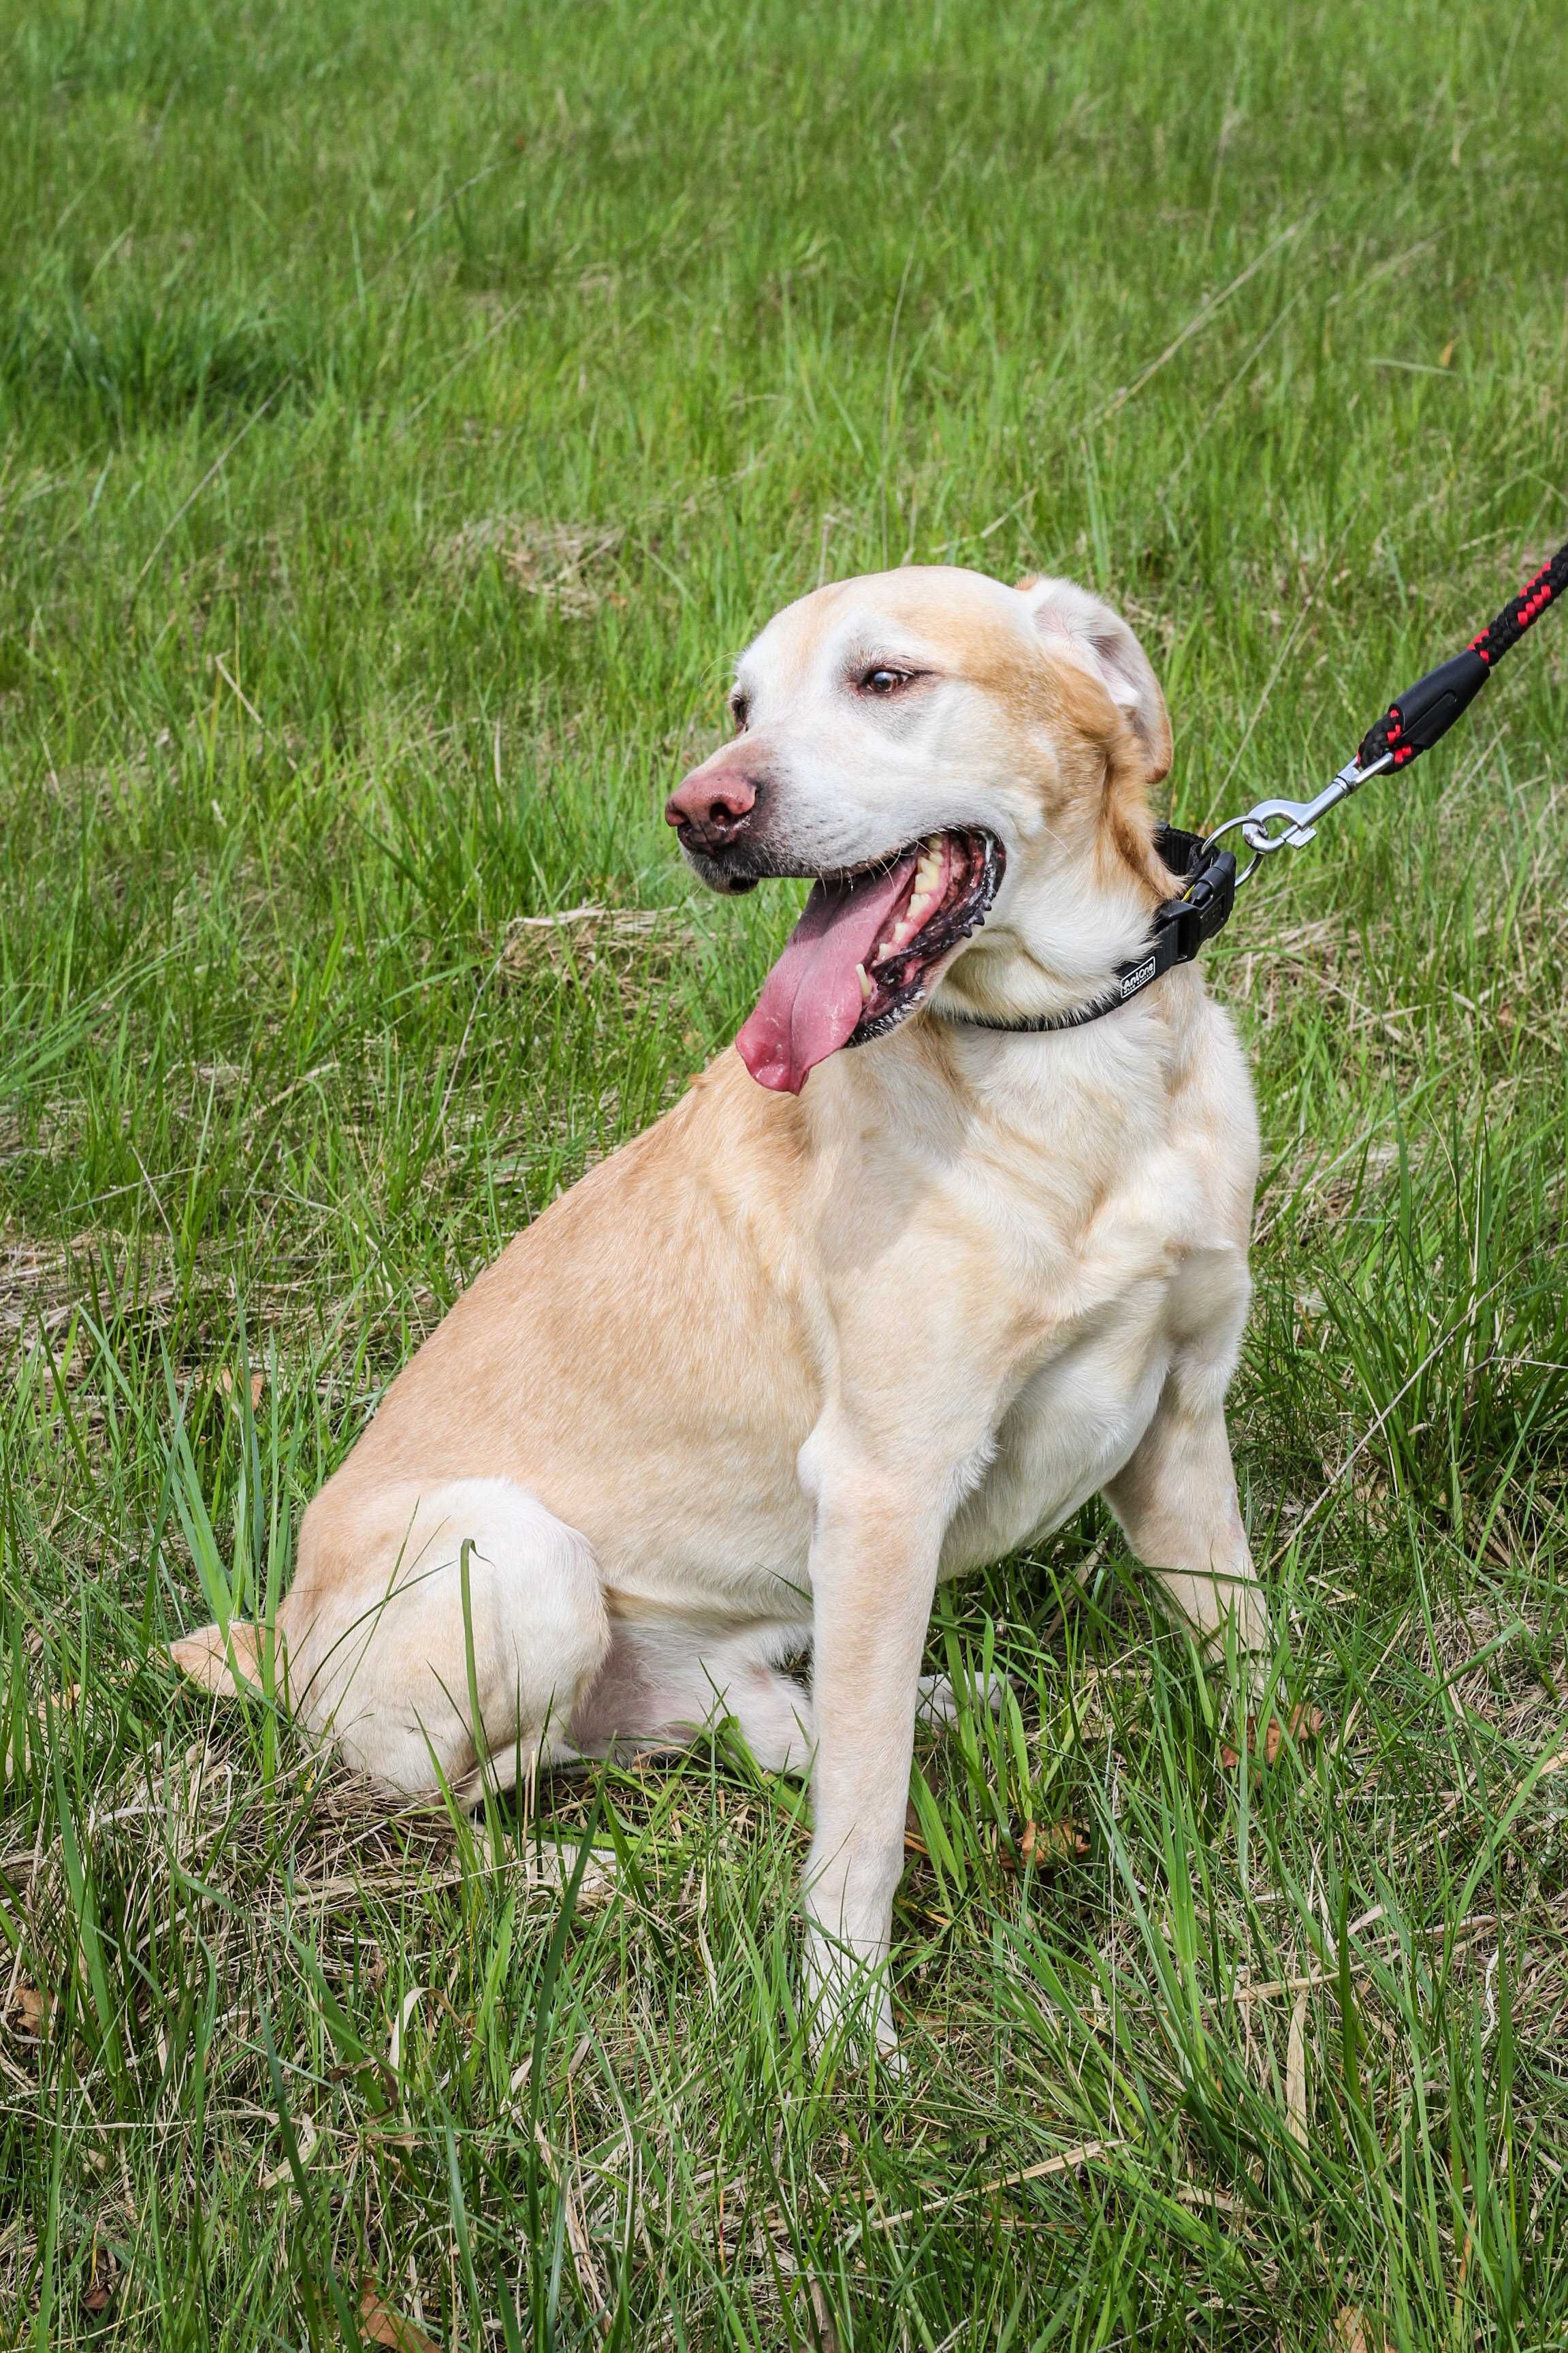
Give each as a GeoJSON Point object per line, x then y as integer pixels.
{"type": "Point", "coordinates": [1066, 925]}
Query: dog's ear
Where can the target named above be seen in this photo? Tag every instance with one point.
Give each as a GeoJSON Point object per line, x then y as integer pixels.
{"type": "Point", "coordinates": [1101, 641]}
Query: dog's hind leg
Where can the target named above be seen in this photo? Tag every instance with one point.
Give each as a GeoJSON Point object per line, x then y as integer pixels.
{"type": "Point", "coordinates": [665, 1681]}
{"type": "Point", "coordinates": [413, 1604]}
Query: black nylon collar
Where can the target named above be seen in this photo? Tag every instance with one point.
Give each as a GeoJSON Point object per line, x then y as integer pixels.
{"type": "Point", "coordinates": [1180, 928]}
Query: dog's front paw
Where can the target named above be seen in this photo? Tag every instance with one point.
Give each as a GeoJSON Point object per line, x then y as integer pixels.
{"type": "Point", "coordinates": [847, 2000]}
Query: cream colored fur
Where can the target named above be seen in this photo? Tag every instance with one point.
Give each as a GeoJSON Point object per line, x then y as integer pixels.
{"type": "Point", "coordinates": [764, 1378]}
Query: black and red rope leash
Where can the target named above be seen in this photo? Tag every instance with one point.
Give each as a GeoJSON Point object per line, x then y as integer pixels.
{"type": "Point", "coordinates": [1429, 708]}
{"type": "Point", "coordinates": [1413, 723]}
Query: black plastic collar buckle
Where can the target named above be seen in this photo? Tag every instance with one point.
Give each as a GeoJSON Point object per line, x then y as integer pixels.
{"type": "Point", "coordinates": [1205, 906]}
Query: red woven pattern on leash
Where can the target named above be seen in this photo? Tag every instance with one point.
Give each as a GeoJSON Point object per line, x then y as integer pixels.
{"type": "Point", "coordinates": [1520, 611]}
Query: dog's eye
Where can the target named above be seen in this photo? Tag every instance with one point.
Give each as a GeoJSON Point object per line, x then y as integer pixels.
{"type": "Point", "coordinates": [883, 680]}
{"type": "Point", "coordinates": [740, 711]}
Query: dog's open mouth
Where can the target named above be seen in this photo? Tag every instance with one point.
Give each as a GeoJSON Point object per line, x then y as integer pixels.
{"type": "Point", "coordinates": [864, 951]}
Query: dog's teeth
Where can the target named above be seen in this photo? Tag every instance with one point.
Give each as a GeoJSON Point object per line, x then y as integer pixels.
{"type": "Point", "coordinates": [916, 910]}
{"type": "Point", "coordinates": [864, 977]}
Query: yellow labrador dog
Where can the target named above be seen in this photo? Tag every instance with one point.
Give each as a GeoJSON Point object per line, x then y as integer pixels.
{"type": "Point", "coordinates": [844, 1322]}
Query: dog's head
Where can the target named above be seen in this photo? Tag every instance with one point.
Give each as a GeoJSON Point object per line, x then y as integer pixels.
{"type": "Point", "coordinates": [930, 747]}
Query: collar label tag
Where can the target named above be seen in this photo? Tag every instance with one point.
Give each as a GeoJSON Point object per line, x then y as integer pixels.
{"type": "Point", "coordinates": [1139, 977]}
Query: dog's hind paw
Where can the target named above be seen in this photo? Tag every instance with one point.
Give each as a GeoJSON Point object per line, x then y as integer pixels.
{"type": "Point", "coordinates": [216, 1664]}
{"type": "Point", "coordinates": [941, 1702]}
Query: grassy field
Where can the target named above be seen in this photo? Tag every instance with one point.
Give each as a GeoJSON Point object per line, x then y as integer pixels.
{"type": "Point", "coordinates": [404, 414]}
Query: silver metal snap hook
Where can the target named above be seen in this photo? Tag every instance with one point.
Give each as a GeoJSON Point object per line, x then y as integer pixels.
{"type": "Point", "coordinates": [1277, 824]}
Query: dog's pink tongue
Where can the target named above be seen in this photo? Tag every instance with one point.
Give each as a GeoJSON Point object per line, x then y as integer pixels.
{"type": "Point", "coordinates": [811, 1000]}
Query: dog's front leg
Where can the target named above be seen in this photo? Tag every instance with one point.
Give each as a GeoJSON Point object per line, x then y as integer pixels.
{"type": "Point", "coordinates": [874, 1556]}
{"type": "Point", "coordinates": [1177, 1499]}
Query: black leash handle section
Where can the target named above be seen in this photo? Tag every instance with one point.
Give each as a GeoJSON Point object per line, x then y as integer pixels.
{"type": "Point", "coordinates": [1416, 719]}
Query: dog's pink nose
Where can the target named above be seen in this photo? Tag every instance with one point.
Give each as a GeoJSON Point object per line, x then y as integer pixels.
{"type": "Point", "coordinates": [711, 807]}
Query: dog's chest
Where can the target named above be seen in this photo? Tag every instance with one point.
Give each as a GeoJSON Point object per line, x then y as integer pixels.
{"type": "Point", "coordinates": [1072, 1425]}
{"type": "Point", "coordinates": [1095, 1318]}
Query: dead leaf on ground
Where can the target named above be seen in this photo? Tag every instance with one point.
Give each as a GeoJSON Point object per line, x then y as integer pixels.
{"type": "Point", "coordinates": [229, 1387]}
{"type": "Point", "coordinates": [380, 2323]}
{"type": "Point", "coordinates": [1046, 1844]}
{"type": "Point", "coordinates": [1303, 1722]}
{"type": "Point", "coordinates": [98, 2296]}
{"type": "Point", "coordinates": [1354, 2332]}
{"type": "Point", "coordinates": [29, 2009]}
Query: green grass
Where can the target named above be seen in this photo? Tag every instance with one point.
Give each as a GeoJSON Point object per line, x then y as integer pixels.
{"type": "Point", "coordinates": [405, 413]}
